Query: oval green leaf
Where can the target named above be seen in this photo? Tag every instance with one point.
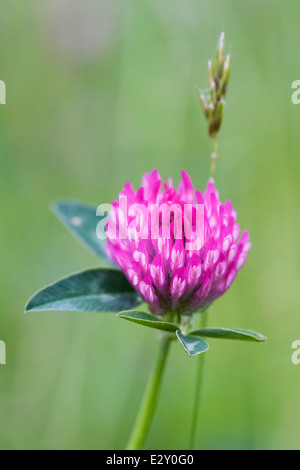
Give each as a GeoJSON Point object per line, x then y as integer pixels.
{"type": "Point", "coordinates": [145, 319]}
{"type": "Point", "coordinates": [192, 345]}
{"type": "Point", "coordinates": [230, 333]}
{"type": "Point", "coordinates": [81, 220]}
{"type": "Point", "coordinates": [97, 290]}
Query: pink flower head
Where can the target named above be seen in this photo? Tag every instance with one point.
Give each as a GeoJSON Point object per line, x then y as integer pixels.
{"type": "Point", "coordinates": [175, 263]}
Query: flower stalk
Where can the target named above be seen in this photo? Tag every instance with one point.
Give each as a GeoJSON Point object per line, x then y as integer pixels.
{"type": "Point", "coordinates": [213, 158]}
{"type": "Point", "coordinates": [148, 406]}
{"type": "Point", "coordinates": [198, 388]}
{"type": "Point", "coordinates": [212, 104]}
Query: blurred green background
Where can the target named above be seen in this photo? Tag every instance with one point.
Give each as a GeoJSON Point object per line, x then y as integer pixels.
{"type": "Point", "coordinates": [99, 92]}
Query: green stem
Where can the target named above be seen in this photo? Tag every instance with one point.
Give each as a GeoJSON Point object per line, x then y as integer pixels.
{"type": "Point", "coordinates": [214, 157]}
{"type": "Point", "coordinates": [148, 406]}
{"type": "Point", "coordinates": [198, 390]}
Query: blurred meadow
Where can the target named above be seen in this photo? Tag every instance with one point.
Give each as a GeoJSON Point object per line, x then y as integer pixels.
{"type": "Point", "coordinates": [98, 93]}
